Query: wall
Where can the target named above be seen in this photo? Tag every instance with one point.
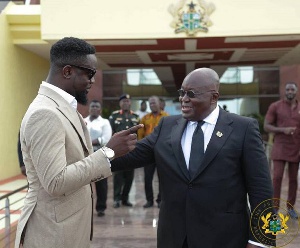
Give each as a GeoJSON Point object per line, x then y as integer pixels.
{"type": "Point", "coordinates": [105, 19]}
{"type": "Point", "coordinates": [21, 73]}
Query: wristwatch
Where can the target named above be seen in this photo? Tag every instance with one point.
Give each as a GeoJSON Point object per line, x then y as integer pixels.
{"type": "Point", "coordinates": [109, 153]}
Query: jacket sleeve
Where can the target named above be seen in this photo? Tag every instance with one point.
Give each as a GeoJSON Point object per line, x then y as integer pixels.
{"type": "Point", "coordinates": [257, 176]}
{"type": "Point", "coordinates": [46, 144]}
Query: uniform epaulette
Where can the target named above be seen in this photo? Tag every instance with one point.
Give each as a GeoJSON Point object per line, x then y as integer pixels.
{"type": "Point", "coordinates": [116, 112]}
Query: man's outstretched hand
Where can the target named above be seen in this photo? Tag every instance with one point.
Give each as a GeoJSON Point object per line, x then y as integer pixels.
{"type": "Point", "coordinates": [124, 141]}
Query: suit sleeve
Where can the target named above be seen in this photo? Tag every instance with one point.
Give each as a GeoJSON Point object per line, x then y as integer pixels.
{"type": "Point", "coordinates": [142, 155]}
{"type": "Point", "coordinates": [45, 139]}
{"type": "Point", "coordinates": [256, 169]}
{"type": "Point", "coordinates": [20, 155]}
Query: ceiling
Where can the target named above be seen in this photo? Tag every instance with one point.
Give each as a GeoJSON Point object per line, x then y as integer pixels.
{"type": "Point", "coordinates": [173, 59]}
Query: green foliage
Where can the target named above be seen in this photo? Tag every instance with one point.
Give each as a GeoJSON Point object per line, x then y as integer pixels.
{"type": "Point", "coordinates": [106, 113]}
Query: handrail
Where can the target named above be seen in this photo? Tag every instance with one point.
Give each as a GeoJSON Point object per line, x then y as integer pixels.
{"type": "Point", "coordinates": [13, 192]}
{"type": "Point", "coordinates": [5, 241]}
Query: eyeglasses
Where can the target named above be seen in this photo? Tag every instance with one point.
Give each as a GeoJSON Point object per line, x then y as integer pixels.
{"type": "Point", "coordinates": [191, 93]}
{"type": "Point", "coordinates": [91, 71]}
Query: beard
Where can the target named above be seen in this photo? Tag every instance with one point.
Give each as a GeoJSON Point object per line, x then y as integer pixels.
{"type": "Point", "coordinates": [81, 97]}
{"type": "Point", "coordinates": [290, 96]}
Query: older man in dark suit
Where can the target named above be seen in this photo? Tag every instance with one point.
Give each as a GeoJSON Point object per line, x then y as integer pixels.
{"type": "Point", "coordinates": [205, 179]}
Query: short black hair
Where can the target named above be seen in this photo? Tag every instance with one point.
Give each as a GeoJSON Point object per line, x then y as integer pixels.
{"type": "Point", "coordinates": [293, 83]}
{"type": "Point", "coordinates": [70, 50]}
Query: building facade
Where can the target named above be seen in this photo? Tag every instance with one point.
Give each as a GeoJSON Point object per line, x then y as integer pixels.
{"type": "Point", "coordinates": [253, 45]}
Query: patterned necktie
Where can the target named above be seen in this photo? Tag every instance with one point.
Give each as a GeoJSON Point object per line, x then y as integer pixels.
{"type": "Point", "coordinates": [197, 150]}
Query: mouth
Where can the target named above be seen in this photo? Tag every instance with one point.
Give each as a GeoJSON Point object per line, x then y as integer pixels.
{"type": "Point", "coordinates": [185, 109]}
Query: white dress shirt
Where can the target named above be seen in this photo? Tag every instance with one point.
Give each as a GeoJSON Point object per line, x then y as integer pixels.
{"type": "Point", "coordinates": [69, 98]}
{"type": "Point", "coordinates": [207, 128]}
{"type": "Point", "coordinates": [99, 129]}
{"type": "Point", "coordinates": [141, 114]}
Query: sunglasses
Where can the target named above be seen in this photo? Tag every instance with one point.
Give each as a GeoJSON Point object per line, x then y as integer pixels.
{"type": "Point", "coordinates": [191, 93]}
{"type": "Point", "coordinates": [91, 71]}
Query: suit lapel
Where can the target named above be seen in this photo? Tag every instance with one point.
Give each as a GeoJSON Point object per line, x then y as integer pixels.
{"type": "Point", "coordinates": [78, 123]}
{"type": "Point", "coordinates": [219, 136]}
{"type": "Point", "coordinates": [72, 115]}
{"type": "Point", "coordinates": [86, 133]}
{"type": "Point", "coordinates": [176, 135]}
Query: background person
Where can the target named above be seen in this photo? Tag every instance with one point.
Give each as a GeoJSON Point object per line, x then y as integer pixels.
{"type": "Point", "coordinates": [100, 133]}
{"type": "Point", "coordinates": [142, 111]}
{"type": "Point", "coordinates": [150, 121]}
{"type": "Point", "coordinates": [123, 119]}
{"type": "Point", "coordinates": [283, 119]}
{"type": "Point", "coordinates": [204, 199]}
{"type": "Point", "coordinates": [58, 153]}
{"type": "Point", "coordinates": [225, 107]}
{"type": "Point", "coordinates": [20, 157]}
{"type": "Point", "coordinates": [162, 103]}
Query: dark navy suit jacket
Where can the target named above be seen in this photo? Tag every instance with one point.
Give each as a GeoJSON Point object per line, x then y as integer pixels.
{"type": "Point", "coordinates": [211, 209]}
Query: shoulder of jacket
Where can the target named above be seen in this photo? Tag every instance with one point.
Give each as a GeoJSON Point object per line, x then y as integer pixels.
{"type": "Point", "coordinates": [116, 112]}
{"type": "Point", "coordinates": [172, 118]}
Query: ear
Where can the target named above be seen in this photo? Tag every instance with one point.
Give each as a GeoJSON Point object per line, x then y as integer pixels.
{"type": "Point", "coordinates": [67, 71]}
{"type": "Point", "coordinates": [215, 97]}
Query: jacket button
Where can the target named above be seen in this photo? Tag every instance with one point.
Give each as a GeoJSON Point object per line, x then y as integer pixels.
{"type": "Point", "coordinates": [190, 186]}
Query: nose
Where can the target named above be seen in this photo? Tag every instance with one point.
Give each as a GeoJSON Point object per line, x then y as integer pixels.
{"type": "Point", "coordinates": [92, 80]}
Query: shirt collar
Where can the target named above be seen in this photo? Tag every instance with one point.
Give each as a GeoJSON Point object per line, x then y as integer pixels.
{"type": "Point", "coordinates": [69, 98]}
{"type": "Point", "coordinates": [211, 118]}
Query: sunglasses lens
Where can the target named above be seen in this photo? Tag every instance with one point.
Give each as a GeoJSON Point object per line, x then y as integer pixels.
{"type": "Point", "coordinates": [190, 94]}
{"type": "Point", "coordinates": [181, 93]}
{"type": "Point", "coordinates": [91, 74]}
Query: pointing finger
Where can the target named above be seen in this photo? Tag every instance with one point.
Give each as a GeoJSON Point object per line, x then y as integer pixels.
{"type": "Point", "coordinates": [135, 128]}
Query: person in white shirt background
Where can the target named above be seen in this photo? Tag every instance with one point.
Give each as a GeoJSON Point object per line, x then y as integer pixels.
{"type": "Point", "coordinates": [143, 109]}
{"type": "Point", "coordinates": [100, 132]}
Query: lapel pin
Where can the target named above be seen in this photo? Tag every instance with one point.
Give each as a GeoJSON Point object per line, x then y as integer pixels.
{"type": "Point", "coordinates": [219, 134]}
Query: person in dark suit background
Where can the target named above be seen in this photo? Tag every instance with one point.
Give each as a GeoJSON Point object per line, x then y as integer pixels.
{"type": "Point", "coordinates": [20, 157]}
{"type": "Point", "coordinates": [205, 207]}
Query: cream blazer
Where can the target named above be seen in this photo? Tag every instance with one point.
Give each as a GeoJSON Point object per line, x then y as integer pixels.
{"type": "Point", "coordinates": [60, 166]}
